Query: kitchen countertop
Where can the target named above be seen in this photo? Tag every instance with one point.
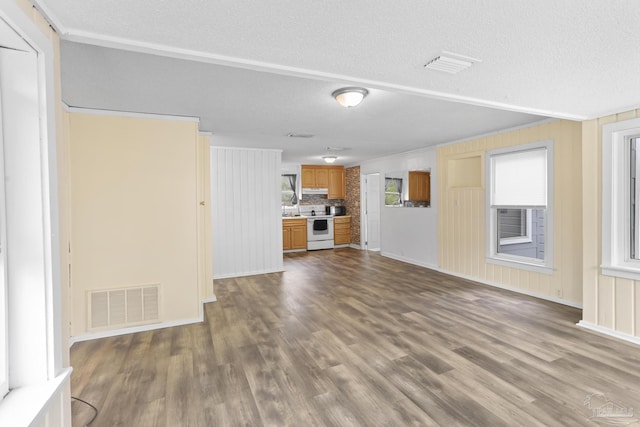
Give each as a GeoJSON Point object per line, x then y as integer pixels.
{"type": "Point", "coordinates": [305, 217]}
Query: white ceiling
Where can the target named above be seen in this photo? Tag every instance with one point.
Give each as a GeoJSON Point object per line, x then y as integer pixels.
{"type": "Point", "coordinates": [255, 71]}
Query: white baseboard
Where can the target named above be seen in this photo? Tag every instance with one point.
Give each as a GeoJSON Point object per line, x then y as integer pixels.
{"type": "Point", "coordinates": [610, 332]}
{"type": "Point", "coordinates": [484, 282]}
{"type": "Point", "coordinates": [132, 330]}
{"type": "Point", "coordinates": [210, 299]}
{"type": "Point", "coordinates": [517, 290]}
{"type": "Point", "coordinates": [354, 246]}
{"type": "Point", "coordinates": [290, 251]}
{"type": "Point", "coordinates": [247, 273]}
{"type": "Point", "coordinates": [409, 260]}
{"type": "Point", "coordinates": [142, 328]}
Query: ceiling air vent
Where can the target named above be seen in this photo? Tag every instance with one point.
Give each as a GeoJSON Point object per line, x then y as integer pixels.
{"type": "Point", "coordinates": [299, 135]}
{"type": "Point", "coordinates": [451, 63]}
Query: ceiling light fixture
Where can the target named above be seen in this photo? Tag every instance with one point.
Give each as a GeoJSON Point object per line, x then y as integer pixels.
{"type": "Point", "coordinates": [329, 159]}
{"type": "Point", "coordinates": [350, 96]}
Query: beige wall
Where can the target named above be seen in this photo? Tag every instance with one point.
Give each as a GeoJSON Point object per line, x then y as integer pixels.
{"type": "Point", "coordinates": [609, 302]}
{"type": "Point", "coordinates": [461, 212]}
{"type": "Point", "coordinates": [134, 210]}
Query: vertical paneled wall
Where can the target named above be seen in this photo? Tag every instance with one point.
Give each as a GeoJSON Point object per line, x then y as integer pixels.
{"type": "Point", "coordinates": [610, 303]}
{"type": "Point", "coordinates": [352, 202]}
{"type": "Point", "coordinates": [245, 213]}
{"type": "Point", "coordinates": [461, 214]}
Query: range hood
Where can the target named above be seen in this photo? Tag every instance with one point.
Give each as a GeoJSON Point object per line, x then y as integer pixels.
{"type": "Point", "coordinates": [315, 191]}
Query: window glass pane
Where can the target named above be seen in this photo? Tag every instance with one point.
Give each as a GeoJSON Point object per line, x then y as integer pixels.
{"type": "Point", "coordinates": [512, 223]}
{"type": "Point", "coordinates": [634, 199]}
{"type": "Point", "coordinates": [393, 191]}
{"type": "Point", "coordinates": [520, 232]}
{"type": "Point", "coordinates": [519, 178]}
{"type": "Point", "coordinates": [287, 189]}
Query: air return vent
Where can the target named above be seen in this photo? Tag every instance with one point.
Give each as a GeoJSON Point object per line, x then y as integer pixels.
{"type": "Point", "coordinates": [124, 307]}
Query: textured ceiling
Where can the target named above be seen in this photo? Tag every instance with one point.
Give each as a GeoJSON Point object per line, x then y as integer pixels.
{"type": "Point", "coordinates": [572, 59]}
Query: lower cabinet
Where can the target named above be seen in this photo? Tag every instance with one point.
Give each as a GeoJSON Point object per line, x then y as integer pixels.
{"type": "Point", "coordinates": [341, 230]}
{"type": "Point", "coordinates": [294, 234]}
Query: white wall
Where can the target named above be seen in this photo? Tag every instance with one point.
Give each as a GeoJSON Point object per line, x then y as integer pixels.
{"type": "Point", "coordinates": [245, 212]}
{"type": "Point", "coordinates": [408, 234]}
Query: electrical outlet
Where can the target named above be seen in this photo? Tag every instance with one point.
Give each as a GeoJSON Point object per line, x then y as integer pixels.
{"type": "Point", "coordinates": [559, 293]}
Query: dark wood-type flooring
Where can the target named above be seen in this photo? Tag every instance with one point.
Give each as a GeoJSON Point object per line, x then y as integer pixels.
{"type": "Point", "coordinates": [350, 338]}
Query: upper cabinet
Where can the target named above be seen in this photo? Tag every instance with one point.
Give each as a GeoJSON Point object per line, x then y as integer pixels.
{"type": "Point", "coordinates": [315, 176]}
{"type": "Point", "coordinates": [329, 177]}
{"type": "Point", "coordinates": [337, 185]}
{"type": "Point", "coordinates": [419, 186]}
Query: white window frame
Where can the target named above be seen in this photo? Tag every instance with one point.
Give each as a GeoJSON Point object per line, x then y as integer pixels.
{"type": "Point", "coordinates": [525, 238]}
{"type": "Point", "coordinates": [4, 331]}
{"type": "Point", "coordinates": [616, 201]}
{"type": "Point", "coordinates": [38, 376]}
{"type": "Point", "coordinates": [544, 266]}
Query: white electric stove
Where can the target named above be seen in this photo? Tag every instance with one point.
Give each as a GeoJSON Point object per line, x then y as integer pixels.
{"type": "Point", "coordinates": [319, 227]}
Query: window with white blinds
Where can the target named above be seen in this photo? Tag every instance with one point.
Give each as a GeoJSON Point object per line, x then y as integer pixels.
{"type": "Point", "coordinates": [519, 179]}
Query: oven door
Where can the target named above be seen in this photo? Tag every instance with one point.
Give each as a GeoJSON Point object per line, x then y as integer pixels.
{"type": "Point", "coordinates": [319, 229]}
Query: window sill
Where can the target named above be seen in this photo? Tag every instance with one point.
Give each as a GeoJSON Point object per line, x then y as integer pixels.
{"type": "Point", "coordinates": [25, 405]}
{"type": "Point", "coordinates": [515, 240]}
{"type": "Point", "coordinates": [521, 265]}
{"type": "Point", "coordinates": [620, 271]}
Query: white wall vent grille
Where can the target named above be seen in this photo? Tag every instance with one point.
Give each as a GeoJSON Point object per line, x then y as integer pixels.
{"type": "Point", "coordinates": [450, 62]}
{"type": "Point", "coordinates": [124, 307]}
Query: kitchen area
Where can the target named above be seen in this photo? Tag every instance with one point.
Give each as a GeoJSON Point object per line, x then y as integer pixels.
{"type": "Point", "coordinates": [318, 218]}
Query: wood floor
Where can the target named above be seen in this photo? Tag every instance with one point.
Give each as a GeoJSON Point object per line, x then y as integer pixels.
{"type": "Point", "coordinates": [350, 338]}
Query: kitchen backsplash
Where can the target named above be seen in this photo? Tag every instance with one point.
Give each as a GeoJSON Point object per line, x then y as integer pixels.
{"type": "Point", "coordinates": [320, 199]}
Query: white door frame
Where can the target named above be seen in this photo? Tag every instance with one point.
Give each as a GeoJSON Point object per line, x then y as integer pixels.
{"type": "Point", "coordinates": [364, 237]}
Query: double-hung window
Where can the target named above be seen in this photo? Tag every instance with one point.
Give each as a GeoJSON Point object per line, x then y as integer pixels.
{"type": "Point", "coordinates": [621, 199]}
{"type": "Point", "coordinates": [519, 206]}
{"type": "Point", "coordinates": [393, 191]}
{"type": "Point", "coordinates": [288, 190]}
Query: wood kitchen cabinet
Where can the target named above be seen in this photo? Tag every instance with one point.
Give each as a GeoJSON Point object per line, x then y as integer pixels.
{"type": "Point", "coordinates": [315, 176]}
{"type": "Point", "coordinates": [294, 234]}
{"type": "Point", "coordinates": [337, 185]}
{"type": "Point", "coordinates": [330, 177]}
{"type": "Point", "coordinates": [419, 186]}
{"type": "Point", "coordinates": [342, 230]}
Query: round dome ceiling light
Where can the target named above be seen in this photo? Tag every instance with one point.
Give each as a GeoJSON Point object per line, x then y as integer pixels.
{"type": "Point", "coordinates": [329, 159]}
{"type": "Point", "coordinates": [350, 96]}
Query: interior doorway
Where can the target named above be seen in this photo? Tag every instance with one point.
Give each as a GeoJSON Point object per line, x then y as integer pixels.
{"type": "Point", "coordinates": [371, 208]}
